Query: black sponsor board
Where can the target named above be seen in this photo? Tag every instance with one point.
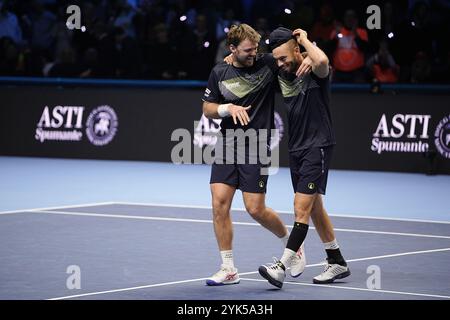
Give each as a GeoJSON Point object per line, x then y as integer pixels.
{"type": "Point", "coordinates": [404, 132]}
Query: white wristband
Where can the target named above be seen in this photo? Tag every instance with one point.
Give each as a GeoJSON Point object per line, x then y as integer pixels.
{"type": "Point", "coordinates": [222, 110]}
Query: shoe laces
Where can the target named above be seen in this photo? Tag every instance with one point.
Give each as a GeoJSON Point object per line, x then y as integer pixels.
{"type": "Point", "coordinates": [223, 269]}
{"type": "Point", "coordinates": [327, 267]}
{"type": "Point", "coordinates": [275, 265]}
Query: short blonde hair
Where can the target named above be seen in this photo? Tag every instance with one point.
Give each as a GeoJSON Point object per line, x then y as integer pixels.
{"type": "Point", "coordinates": [239, 33]}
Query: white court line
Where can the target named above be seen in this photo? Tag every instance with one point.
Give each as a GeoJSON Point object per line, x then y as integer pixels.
{"type": "Point", "coordinates": [117, 216]}
{"type": "Point", "coordinates": [127, 289]}
{"type": "Point", "coordinates": [248, 273]}
{"type": "Point", "coordinates": [60, 207]}
{"type": "Point", "coordinates": [355, 288]}
{"type": "Point", "coordinates": [151, 204]}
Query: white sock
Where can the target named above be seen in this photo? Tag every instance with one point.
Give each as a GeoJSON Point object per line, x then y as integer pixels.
{"type": "Point", "coordinates": [284, 240]}
{"type": "Point", "coordinates": [333, 245]}
{"type": "Point", "coordinates": [286, 259]}
{"type": "Point", "coordinates": [227, 258]}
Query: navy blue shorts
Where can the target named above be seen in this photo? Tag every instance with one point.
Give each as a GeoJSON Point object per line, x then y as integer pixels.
{"type": "Point", "coordinates": [246, 177]}
{"type": "Point", "coordinates": [309, 169]}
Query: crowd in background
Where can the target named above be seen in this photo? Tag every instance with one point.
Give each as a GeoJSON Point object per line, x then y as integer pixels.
{"type": "Point", "coordinates": [183, 39]}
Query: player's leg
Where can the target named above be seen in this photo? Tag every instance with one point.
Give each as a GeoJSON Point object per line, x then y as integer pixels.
{"type": "Point", "coordinates": [275, 273]}
{"type": "Point", "coordinates": [223, 186]}
{"type": "Point", "coordinates": [253, 185]}
{"type": "Point", "coordinates": [336, 267]}
{"type": "Point", "coordinates": [306, 170]}
{"type": "Point", "coordinates": [267, 217]}
{"type": "Point", "coordinates": [322, 221]}
{"type": "Point", "coordinates": [222, 197]}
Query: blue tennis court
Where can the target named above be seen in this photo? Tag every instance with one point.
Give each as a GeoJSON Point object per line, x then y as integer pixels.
{"type": "Point", "coordinates": [151, 251]}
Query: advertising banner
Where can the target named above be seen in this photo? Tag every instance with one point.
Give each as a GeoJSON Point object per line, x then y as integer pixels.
{"type": "Point", "coordinates": [386, 132]}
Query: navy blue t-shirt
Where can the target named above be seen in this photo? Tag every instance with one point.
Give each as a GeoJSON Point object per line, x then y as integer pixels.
{"type": "Point", "coordinates": [246, 86]}
{"type": "Point", "coordinates": [308, 105]}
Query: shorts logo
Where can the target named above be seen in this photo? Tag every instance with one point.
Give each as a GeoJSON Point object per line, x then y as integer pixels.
{"type": "Point", "coordinates": [311, 186]}
{"type": "Point", "coordinates": [261, 184]}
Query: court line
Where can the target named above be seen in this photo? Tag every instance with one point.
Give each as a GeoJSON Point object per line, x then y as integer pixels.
{"type": "Point", "coordinates": [60, 207]}
{"type": "Point", "coordinates": [127, 289]}
{"type": "Point", "coordinates": [151, 204]}
{"type": "Point", "coordinates": [355, 288]}
{"type": "Point", "coordinates": [117, 216]}
{"type": "Point", "coordinates": [245, 273]}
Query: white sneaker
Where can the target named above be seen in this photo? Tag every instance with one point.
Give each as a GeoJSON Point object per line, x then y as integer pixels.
{"type": "Point", "coordinates": [226, 275]}
{"type": "Point", "coordinates": [298, 262]}
{"type": "Point", "coordinates": [331, 273]}
{"type": "Point", "coordinates": [274, 273]}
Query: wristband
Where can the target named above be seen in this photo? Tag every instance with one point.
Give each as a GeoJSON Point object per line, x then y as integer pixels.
{"type": "Point", "coordinates": [222, 110]}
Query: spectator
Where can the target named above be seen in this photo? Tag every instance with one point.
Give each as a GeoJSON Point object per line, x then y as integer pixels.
{"type": "Point", "coordinates": [421, 68]}
{"type": "Point", "coordinates": [415, 35]}
{"type": "Point", "coordinates": [382, 66]}
{"type": "Point", "coordinates": [180, 39]}
{"type": "Point", "coordinates": [204, 50]}
{"type": "Point", "coordinates": [349, 43]}
{"type": "Point", "coordinates": [322, 28]}
{"type": "Point", "coordinates": [262, 27]}
{"type": "Point", "coordinates": [222, 51]}
{"type": "Point", "coordinates": [9, 25]}
{"type": "Point", "coordinates": [180, 11]}
{"type": "Point", "coordinates": [11, 60]}
{"type": "Point", "coordinates": [43, 26]}
{"type": "Point", "coordinates": [161, 54]}
{"type": "Point", "coordinates": [294, 14]}
{"type": "Point", "coordinates": [65, 65]}
{"type": "Point", "coordinates": [129, 58]}
{"type": "Point", "coordinates": [223, 24]}
{"type": "Point", "coordinates": [91, 68]}
{"type": "Point", "coordinates": [124, 18]}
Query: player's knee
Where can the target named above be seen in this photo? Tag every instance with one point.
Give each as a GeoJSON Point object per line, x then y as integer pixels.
{"type": "Point", "coordinates": [255, 210]}
{"type": "Point", "coordinates": [220, 207]}
{"type": "Point", "coordinates": [301, 212]}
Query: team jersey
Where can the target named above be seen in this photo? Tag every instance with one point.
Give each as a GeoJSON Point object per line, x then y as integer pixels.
{"type": "Point", "coordinates": [309, 119]}
{"type": "Point", "coordinates": [244, 87]}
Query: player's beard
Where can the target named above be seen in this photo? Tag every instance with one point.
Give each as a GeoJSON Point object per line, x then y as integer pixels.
{"type": "Point", "coordinates": [246, 62]}
{"type": "Point", "coordinates": [293, 66]}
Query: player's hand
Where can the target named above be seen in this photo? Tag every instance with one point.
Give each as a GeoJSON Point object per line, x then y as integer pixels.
{"type": "Point", "coordinates": [305, 67]}
{"type": "Point", "coordinates": [300, 34]}
{"type": "Point", "coordinates": [229, 59]}
{"type": "Point", "coordinates": [239, 113]}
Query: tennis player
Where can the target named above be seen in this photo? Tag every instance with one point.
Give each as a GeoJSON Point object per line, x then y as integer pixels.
{"type": "Point", "coordinates": [311, 141]}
